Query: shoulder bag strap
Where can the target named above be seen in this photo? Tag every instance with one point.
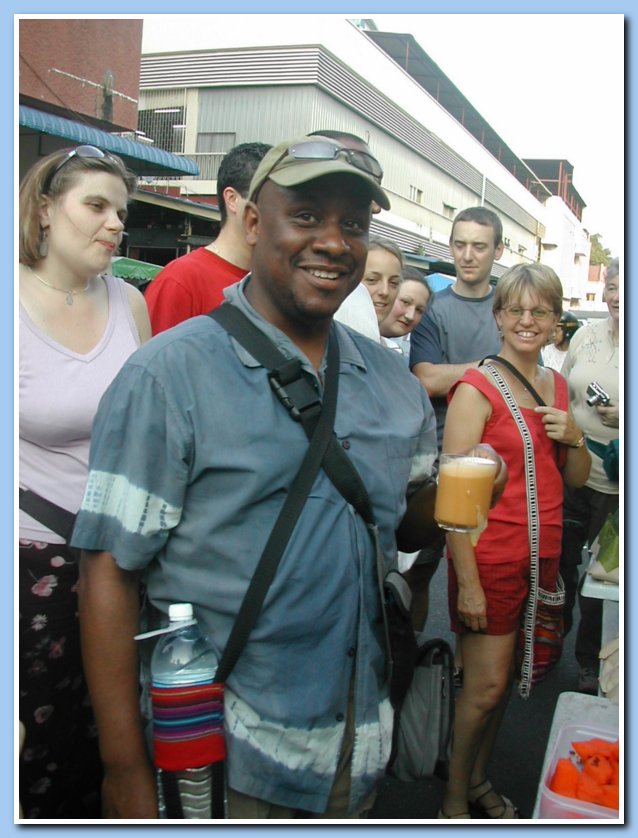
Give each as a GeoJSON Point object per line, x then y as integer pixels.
{"type": "Point", "coordinates": [516, 373]}
{"type": "Point", "coordinates": [533, 529]}
{"type": "Point", "coordinates": [286, 520]}
{"type": "Point", "coordinates": [54, 517]}
{"type": "Point", "coordinates": [301, 400]}
{"type": "Point", "coordinates": [299, 397]}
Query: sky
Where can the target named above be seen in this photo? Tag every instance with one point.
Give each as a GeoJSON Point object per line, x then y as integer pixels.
{"type": "Point", "coordinates": [552, 86]}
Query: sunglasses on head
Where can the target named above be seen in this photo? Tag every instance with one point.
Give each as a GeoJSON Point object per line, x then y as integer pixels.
{"type": "Point", "coordinates": [83, 151]}
{"type": "Point", "coordinates": [324, 150]}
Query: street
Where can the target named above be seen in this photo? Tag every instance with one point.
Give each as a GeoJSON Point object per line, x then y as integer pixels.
{"type": "Point", "coordinates": [520, 748]}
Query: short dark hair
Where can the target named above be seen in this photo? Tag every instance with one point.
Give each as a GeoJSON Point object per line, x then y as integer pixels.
{"type": "Point", "coordinates": [237, 169]}
{"type": "Point", "coordinates": [481, 215]}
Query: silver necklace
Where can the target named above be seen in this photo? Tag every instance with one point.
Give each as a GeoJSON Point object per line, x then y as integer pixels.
{"type": "Point", "coordinates": [69, 293]}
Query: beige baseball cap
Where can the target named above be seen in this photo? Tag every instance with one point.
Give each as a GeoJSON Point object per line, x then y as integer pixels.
{"type": "Point", "coordinates": [292, 163]}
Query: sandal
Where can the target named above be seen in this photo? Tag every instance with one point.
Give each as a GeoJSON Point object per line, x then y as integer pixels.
{"type": "Point", "coordinates": [465, 816]}
{"type": "Point", "coordinates": [504, 809]}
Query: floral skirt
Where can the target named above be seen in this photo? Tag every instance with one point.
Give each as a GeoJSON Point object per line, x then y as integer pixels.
{"type": "Point", "coordinates": [60, 768]}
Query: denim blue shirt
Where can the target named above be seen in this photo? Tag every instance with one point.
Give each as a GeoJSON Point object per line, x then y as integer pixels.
{"type": "Point", "coordinates": [191, 459]}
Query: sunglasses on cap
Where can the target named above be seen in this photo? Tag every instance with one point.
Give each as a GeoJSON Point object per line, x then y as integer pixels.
{"type": "Point", "coordinates": [324, 150]}
{"type": "Point", "coordinates": [83, 151]}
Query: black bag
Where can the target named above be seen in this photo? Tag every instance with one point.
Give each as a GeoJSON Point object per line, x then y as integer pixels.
{"type": "Point", "coordinates": [424, 721]}
{"type": "Point", "coordinates": [402, 640]}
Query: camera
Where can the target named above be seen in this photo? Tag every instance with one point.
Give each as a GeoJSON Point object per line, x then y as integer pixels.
{"type": "Point", "coordinates": [596, 395]}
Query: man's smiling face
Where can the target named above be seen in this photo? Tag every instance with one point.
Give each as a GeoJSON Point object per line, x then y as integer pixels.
{"type": "Point", "coordinates": [310, 247]}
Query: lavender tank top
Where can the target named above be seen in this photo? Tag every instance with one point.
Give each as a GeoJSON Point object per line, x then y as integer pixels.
{"type": "Point", "coordinates": [59, 391]}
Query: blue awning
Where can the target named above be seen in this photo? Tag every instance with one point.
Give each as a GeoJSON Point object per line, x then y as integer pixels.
{"type": "Point", "coordinates": [140, 158]}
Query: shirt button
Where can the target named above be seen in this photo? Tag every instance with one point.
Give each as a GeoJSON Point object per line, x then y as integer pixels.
{"type": "Point", "coordinates": [346, 444]}
{"type": "Point", "coordinates": [351, 652]}
{"type": "Point", "coordinates": [339, 717]}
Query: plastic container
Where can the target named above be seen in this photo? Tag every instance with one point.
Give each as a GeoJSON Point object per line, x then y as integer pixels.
{"type": "Point", "coordinates": [554, 806]}
{"type": "Point", "coordinates": [187, 712]}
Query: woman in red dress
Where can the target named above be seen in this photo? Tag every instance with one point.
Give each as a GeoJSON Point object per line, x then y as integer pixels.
{"type": "Point", "coordinates": [489, 580]}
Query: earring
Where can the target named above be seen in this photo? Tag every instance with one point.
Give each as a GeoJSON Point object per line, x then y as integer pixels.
{"type": "Point", "coordinates": [44, 244]}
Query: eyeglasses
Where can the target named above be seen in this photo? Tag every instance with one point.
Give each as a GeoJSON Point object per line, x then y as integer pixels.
{"type": "Point", "coordinates": [322, 150]}
{"type": "Point", "coordinates": [538, 312]}
{"type": "Point", "coordinates": [83, 151]}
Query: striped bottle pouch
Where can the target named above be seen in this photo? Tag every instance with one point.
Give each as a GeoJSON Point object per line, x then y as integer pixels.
{"type": "Point", "coordinates": [537, 654]}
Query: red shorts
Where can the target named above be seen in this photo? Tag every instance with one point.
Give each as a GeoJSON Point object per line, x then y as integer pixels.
{"type": "Point", "coordinates": [506, 586]}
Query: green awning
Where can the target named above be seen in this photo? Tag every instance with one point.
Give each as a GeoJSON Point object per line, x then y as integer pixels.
{"type": "Point", "coordinates": [134, 269]}
{"type": "Point", "coordinates": [141, 158]}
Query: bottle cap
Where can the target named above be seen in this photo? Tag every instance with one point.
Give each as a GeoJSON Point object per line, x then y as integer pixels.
{"type": "Point", "coordinates": [180, 611]}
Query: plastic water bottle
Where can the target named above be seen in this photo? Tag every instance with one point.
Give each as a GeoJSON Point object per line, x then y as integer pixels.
{"type": "Point", "coordinates": [188, 718]}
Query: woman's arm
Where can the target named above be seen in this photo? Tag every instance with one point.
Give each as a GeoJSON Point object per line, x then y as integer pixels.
{"type": "Point", "coordinates": [140, 312]}
{"type": "Point", "coordinates": [561, 426]}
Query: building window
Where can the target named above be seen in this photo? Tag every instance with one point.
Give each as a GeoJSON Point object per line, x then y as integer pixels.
{"type": "Point", "coordinates": [416, 195]}
{"type": "Point", "coordinates": [211, 148]}
{"type": "Point", "coordinates": [165, 126]}
{"type": "Point", "coordinates": [449, 211]}
{"type": "Point", "coordinates": [215, 143]}
{"type": "Point", "coordinates": [521, 249]}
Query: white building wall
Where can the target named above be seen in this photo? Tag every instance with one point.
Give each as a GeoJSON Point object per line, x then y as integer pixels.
{"type": "Point", "coordinates": [566, 249]}
{"type": "Point", "coordinates": [271, 113]}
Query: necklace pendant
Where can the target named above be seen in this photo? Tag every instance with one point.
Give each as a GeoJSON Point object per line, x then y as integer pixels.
{"type": "Point", "coordinates": [69, 298]}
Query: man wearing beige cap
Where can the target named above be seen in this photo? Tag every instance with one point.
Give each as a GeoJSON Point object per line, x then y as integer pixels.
{"type": "Point", "coordinates": [192, 459]}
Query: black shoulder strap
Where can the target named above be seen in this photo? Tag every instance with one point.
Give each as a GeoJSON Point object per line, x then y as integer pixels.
{"type": "Point", "coordinates": [300, 399]}
{"type": "Point", "coordinates": [286, 376]}
{"type": "Point", "coordinates": [54, 517]}
{"type": "Point", "coordinates": [302, 402]}
{"type": "Point", "coordinates": [320, 436]}
{"type": "Point", "coordinates": [515, 373]}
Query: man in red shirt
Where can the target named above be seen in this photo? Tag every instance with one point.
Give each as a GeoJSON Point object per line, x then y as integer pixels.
{"type": "Point", "coordinates": [194, 284]}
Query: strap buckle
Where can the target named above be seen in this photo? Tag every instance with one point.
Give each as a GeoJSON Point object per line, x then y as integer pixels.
{"type": "Point", "coordinates": [294, 391]}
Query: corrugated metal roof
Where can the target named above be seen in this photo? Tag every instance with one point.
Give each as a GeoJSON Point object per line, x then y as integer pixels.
{"type": "Point", "coordinates": [139, 157]}
{"type": "Point", "coordinates": [199, 210]}
{"type": "Point", "coordinates": [313, 64]}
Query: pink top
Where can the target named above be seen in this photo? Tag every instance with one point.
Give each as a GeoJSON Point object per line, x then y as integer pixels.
{"type": "Point", "coordinates": [59, 394]}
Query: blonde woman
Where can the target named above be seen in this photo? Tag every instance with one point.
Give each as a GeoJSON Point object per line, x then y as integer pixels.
{"type": "Point", "coordinates": [382, 275]}
{"type": "Point", "coordinates": [489, 581]}
{"type": "Point", "coordinates": [77, 326]}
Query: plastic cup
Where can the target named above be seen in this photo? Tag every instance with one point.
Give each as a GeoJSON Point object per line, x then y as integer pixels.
{"type": "Point", "coordinates": [464, 491]}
